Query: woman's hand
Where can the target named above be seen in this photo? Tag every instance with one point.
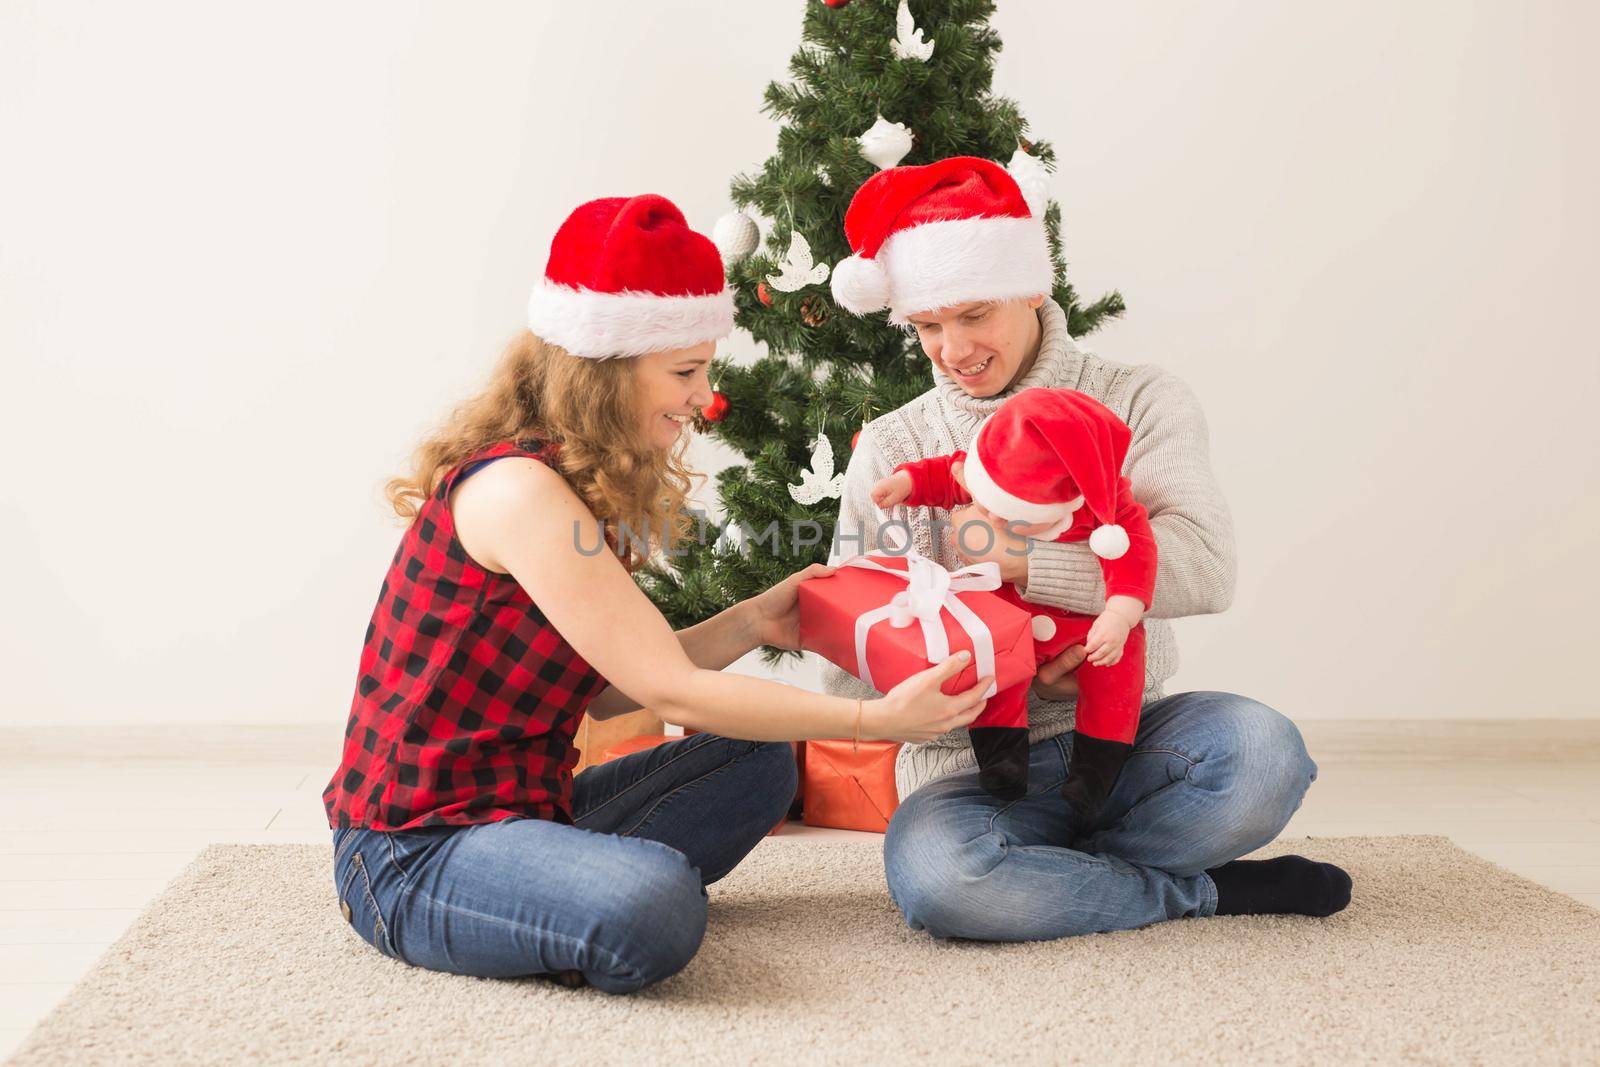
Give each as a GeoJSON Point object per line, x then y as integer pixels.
{"type": "Point", "coordinates": [1057, 679]}
{"type": "Point", "coordinates": [773, 617]}
{"type": "Point", "coordinates": [916, 710]}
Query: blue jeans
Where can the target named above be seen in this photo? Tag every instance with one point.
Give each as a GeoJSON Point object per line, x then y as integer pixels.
{"type": "Point", "coordinates": [620, 896]}
{"type": "Point", "coordinates": [1212, 777]}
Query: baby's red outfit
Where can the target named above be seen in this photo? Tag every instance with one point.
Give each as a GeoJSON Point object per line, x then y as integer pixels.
{"type": "Point", "coordinates": [1109, 698]}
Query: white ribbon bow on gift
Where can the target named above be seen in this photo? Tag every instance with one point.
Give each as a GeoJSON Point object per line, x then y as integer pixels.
{"type": "Point", "coordinates": [929, 590]}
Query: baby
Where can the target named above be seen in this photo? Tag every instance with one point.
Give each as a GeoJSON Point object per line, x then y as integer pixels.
{"type": "Point", "coordinates": [1048, 464]}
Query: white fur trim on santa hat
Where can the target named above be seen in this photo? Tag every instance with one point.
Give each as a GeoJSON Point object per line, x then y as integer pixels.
{"type": "Point", "coordinates": [605, 325]}
{"type": "Point", "coordinates": [981, 484]}
{"type": "Point", "coordinates": [941, 264]}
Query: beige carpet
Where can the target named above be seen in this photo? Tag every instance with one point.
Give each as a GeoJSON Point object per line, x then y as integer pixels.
{"type": "Point", "coordinates": [1442, 958]}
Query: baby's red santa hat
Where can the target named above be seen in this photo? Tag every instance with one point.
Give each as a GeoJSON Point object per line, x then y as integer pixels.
{"type": "Point", "coordinates": [628, 276]}
{"type": "Point", "coordinates": [1044, 454]}
{"type": "Point", "coordinates": [939, 235]}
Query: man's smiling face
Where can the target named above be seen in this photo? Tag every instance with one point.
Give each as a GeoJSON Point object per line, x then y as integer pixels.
{"type": "Point", "coordinates": [984, 345]}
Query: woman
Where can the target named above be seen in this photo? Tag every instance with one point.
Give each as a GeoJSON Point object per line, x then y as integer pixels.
{"type": "Point", "coordinates": [462, 842]}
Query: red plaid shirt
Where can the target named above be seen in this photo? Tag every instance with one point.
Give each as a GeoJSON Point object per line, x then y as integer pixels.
{"type": "Point", "coordinates": [468, 699]}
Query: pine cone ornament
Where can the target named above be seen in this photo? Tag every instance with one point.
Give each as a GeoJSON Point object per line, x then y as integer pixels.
{"type": "Point", "coordinates": [814, 311]}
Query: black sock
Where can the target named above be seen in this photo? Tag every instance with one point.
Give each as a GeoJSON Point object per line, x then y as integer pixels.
{"type": "Point", "coordinates": [1002, 754]}
{"type": "Point", "coordinates": [1287, 885]}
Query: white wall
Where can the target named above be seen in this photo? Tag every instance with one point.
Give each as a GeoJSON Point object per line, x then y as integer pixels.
{"type": "Point", "coordinates": [248, 253]}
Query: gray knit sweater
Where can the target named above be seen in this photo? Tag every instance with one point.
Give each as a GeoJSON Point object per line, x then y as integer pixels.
{"type": "Point", "coordinates": [1170, 468]}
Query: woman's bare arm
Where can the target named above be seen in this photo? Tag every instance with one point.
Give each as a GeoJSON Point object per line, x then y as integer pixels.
{"type": "Point", "coordinates": [712, 644]}
{"type": "Point", "coordinates": [520, 517]}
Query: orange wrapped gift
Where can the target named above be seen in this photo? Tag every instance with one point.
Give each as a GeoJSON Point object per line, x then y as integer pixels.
{"type": "Point", "coordinates": [850, 788]}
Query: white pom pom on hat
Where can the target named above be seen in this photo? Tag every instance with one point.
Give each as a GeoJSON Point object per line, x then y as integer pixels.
{"type": "Point", "coordinates": [860, 285]}
{"type": "Point", "coordinates": [1109, 541]}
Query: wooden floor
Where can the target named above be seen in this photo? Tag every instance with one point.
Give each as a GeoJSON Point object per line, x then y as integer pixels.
{"type": "Point", "coordinates": [94, 823]}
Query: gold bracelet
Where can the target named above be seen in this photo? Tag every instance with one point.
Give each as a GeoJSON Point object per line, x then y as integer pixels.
{"type": "Point", "coordinates": [855, 741]}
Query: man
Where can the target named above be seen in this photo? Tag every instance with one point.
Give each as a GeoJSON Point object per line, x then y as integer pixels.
{"type": "Point", "coordinates": [955, 252]}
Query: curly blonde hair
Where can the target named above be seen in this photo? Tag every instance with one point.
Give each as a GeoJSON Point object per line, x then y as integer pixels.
{"type": "Point", "coordinates": [589, 407]}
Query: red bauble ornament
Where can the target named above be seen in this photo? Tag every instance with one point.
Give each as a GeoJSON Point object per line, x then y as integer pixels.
{"type": "Point", "coordinates": [717, 410]}
{"type": "Point", "coordinates": [855, 439]}
{"type": "Point", "coordinates": [763, 294]}
{"type": "Point", "coordinates": [836, 3]}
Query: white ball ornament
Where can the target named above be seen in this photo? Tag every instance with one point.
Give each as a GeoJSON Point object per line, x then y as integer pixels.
{"type": "Point", "coordinates": [735, 236]}
{"type": "Point", "coordinates": [1109, 541]}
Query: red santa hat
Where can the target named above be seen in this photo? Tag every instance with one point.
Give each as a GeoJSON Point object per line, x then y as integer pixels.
{"type": "Point", "coordinates": [1044, 454]}
{"type": "Point", "coordinates": [628, 276]}
{"type": "Point", "coordinates": [942, 234]}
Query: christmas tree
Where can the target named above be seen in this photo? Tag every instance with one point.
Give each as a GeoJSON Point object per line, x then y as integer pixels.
{"type": "Point", "coordinates": [876, 84]}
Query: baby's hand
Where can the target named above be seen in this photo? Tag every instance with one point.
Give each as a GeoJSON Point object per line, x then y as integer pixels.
{"type": "Point", "coordinates": [892, 490]}
{"type": "Point", "coordinates": [1106, 638]}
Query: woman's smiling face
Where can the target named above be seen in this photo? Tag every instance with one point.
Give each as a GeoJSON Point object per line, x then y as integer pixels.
{"type": "Point", "coordinates": [672, 386]}
{"type": "Point", "coordinates": [983, 346]}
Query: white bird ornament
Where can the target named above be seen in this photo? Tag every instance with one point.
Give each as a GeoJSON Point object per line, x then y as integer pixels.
{"type": "Point", "coordinates": [909, 42]}
{"type": "Point", "coordinates": [797, 270]}
{"type": "Point", "coordinates": [819, 481]}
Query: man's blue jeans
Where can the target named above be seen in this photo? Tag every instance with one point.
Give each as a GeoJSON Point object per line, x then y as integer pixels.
{"type": "Point", "coordinates": [620, 896]}
{"type": "Point", "coordinates": [1212, 777]}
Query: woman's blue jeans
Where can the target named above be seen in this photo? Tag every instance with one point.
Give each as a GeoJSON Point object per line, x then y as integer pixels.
{"type": "Point", "coordinates": [1212, 777]}
{"type": "Point", "coordinates": [620, 896]}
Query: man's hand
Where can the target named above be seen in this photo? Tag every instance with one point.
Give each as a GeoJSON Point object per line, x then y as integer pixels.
{"type": "Point", "coordinates": [974, 545]}
{"type": "Point", "coordinates": [773, 618]}
{"type": "Point", "coordinates": [1056, 680]}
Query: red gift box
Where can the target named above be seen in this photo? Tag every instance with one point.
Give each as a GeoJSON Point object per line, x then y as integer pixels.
{"type": "Point", "coordinates": [831, 606]}
{"type": "Point", "coordinates": [849, 788]}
